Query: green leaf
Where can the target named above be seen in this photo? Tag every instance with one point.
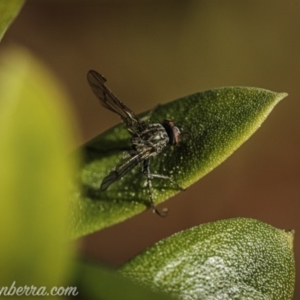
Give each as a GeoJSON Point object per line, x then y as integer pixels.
{"type": "Point", "coordinates": [9, 9]}
{"type": "Point", "coordinates": [96, 282]}
{"type": "Point", "coordinates": [35, 174]}
{"type": "Point", "coordinates": [213, 123]}
{"type": "Point", "coordinates": [229, 259]}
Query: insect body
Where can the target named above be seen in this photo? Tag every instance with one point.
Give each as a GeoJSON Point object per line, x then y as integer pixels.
{"type": "Point", "coordinates": [147, 140]}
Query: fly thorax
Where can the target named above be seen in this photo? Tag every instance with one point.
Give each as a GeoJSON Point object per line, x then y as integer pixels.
{"type": "Point", "coordinates": [155, 134]}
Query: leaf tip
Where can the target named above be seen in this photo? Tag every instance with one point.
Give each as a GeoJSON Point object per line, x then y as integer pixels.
{"type": "Point", "coordinates": [281, 96]}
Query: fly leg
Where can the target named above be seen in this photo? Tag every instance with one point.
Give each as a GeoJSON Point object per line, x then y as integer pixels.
{"type": "Point", "coordinates": [168, 178]}
{"type": "Point", "coordinates": [147, 173]}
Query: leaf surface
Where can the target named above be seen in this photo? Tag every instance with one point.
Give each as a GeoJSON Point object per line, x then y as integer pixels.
{"type": "Point", "coordinates": [213, 124]}
{"type": "Point", "coordinates": [230, 259]}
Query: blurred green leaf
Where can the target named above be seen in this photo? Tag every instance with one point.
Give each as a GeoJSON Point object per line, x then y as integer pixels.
{"type": "Point", "coordinates": [213, 123]}
{"type": "Point", "coordinates": [9, 9]}
{"type": "Point", "coordinates": [96, 282]}
{"type": "Point", "coordinates": [229, 259]}
{"type": "Point", "coordinates": [35, 174]}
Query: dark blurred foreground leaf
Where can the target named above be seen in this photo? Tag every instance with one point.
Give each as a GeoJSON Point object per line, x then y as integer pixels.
{"type": "Point", "coordinates": [213, 123]}
{"type": "Point", "coordinates": [230, 259]}
{"type": "Point", "coordinates": [95, 282]}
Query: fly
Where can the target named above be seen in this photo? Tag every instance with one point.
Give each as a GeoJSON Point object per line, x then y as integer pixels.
{"type": "Point", "coordinates": [147, 140]}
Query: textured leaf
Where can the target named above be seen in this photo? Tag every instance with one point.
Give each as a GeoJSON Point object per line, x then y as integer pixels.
{"type": "Point", "coordinates": [230, 259]}
{"type": "Point", "coordinates": [213, 123]}
{"type": "Point", "coordinates": [9, 9]}
{"type": "Point", "coordinates": [34, 175]}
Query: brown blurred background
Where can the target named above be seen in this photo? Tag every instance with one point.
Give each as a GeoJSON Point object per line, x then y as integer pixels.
{"type": "Point", "coordinates": [156, 51]}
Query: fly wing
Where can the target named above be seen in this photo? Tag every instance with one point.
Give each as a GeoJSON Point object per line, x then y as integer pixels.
{"type": "Point", "coordinates": [110, 101]}
{"type": "Point", "coordinates": [122, 169]}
